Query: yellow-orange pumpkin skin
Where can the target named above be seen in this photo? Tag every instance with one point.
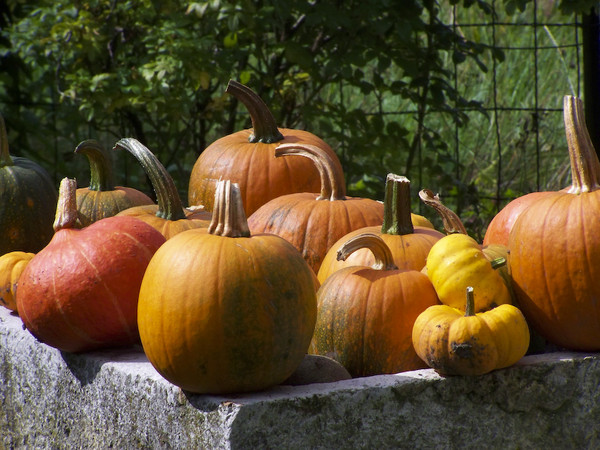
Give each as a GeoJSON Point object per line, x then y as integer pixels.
{"type": "Point", "coordinates": [12, 265]}
{"type": "Point", "coordinates": [455, 343]}
{"type": "Point", "coordinates": [457, 261]}
{"type": "Point", "coordinates": [221, 314]}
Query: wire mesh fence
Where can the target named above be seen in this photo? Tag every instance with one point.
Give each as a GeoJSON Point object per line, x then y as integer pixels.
{"type": "Point", "coordinates": [518, 145]}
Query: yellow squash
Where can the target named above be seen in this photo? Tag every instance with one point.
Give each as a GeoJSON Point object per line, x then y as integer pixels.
{"type": "Point", "coordinates": [12, 265]}
{"type": "Point", "coordinates": [470, 344]}
{"type": "Point", "coordinates": [457, 261]}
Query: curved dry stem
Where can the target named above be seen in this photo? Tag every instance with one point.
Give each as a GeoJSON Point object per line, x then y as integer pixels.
{"type": "Point", "coordinates": [451, 221]}
{"type": "Point", "coordinates": [333, 185]}
{"type": "Point", "coordinates": [264, 127]}
{"type": "Point", "coordinates": [585, 167]}
{"type": "Point", "coordinates": [384, 260]}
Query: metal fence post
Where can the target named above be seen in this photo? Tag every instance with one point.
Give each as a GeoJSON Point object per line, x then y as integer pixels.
{"type": "Point", "coordinates": [591, 74]}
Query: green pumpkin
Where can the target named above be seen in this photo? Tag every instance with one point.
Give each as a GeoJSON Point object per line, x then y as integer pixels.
{"type": "Point", "coordinates": [102, 198]}
{"type": "Point", "coordinates": [27, 202]}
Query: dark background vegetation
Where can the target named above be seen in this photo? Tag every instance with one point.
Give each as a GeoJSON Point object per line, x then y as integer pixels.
{"type": "Point", "coordinates": [384, 82]}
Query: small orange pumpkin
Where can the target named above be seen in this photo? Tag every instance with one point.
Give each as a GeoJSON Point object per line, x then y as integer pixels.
{"type": "Point", "coordinates": [102, 198]}
{"type": "Point", "coordinates": [366, 314]}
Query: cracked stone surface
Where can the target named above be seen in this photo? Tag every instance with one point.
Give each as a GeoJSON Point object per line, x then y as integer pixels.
{"type": "Point", "coordinates": [115, 399]}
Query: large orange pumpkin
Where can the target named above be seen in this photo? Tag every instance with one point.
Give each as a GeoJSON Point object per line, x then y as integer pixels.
{"type": "Point", "coordinates": [102, 198]}
{"type": "Point", "coordinates": [555, 249]}
{"type": "Point", "coordinates": [80, 292]}
{"type": "Point", "coordinates": [313, 222]}
{"type": "Point", "coordinates": [223, 311]}
{"type": "Point", "coordinates": [366, 314]}
{"type": "Point", "coordinates": [168, 216]}
{"type": "Point", "coordinates": [408, 243]}
{"type": "Point", "coordinates": [246, 157]}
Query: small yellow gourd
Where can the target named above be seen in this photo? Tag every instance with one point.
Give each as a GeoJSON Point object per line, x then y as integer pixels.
{"type": "Point", "coordinates": [470, 344]}
{"type": "Point", "coordinates": [457, 261]}
{"type": "Point", "coordinates": [12, 265]}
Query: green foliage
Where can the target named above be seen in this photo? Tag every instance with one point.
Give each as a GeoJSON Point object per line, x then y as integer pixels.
{"type": "Point", "coordinates": [367, 76]}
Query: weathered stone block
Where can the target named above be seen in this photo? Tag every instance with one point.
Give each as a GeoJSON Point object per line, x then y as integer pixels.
{"type": "Point", "coordinates": [115, 399]}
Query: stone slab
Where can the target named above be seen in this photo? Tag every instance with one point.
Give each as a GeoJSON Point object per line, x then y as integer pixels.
{"type": "Point", "coordinates": [115, 399]}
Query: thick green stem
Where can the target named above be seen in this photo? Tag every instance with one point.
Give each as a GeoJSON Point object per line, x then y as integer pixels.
{"type": "Point", "coordinates": [498, 262]}
{"type": "Point", "coordinates": [167, 197]}
{"type": "Point", "coordinates": [396, 206]}
{"type": "Point", "coordinates": [228, 216]}
{"type": "Point", "coordinates": [5, 159]}
{"type": "Point", "coordinates": [384, 260]}
{"type": "Point", "coordinates": [101, 165]}
{"type": "Point", "coordinates": [451, 221]}
{"type": "Point", "coordinates": [264, 127]}
{"type": "Point", "coordinates": [67, 215]}
{"type": "Point", "coordinates": [333, 185]}
{"type": "Point", "coordinates": [470, 309]}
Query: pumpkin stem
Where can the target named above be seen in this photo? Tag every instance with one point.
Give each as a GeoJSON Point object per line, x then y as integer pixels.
{"type": "Point", "coordinates": [67, 216]}
{"type": "Point", "coordinates": [498, 262]}
{"type": "Point", "coordinates": [228, 216]}
{"type": "Point", "coordinates": [167, 197]}
{"type": "Point", "coordinates": [384, 260]}
{"type": "Point", "coordinates": [101, 165]}
{"type": "Point", "coordinates": [333, 185]}
{"type": "Point", "coordinates": [5, 158]}
{"type": "Point", "coordinates": [470, 309]}
{"type": "Point", "coordinates": [451, 221]}
{"type": "Point", "coordinates": [396, 206]}
{"type": "Point", "coordinates": [585, 167]}
{"type": "Point", "coordinates": [264, 127]}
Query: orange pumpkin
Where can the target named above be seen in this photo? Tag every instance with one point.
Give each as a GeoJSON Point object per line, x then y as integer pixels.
{"type": "Point", "coordinates": [168, 216]}
{"type": "Point", "coordinates": [102, 198]}
{"type": "Point", "coordinates": [247, 158]}
{"type": "Point", "coordinates": [409, 244]}
{"type": "Point", "coordinates": [223, 311]}
{"type": "Point", "coordinates": [366, 314]}
{"type": "Point", "coordinates": [555, 249]}
{"type": "Point", "coordinates": [314, 222]}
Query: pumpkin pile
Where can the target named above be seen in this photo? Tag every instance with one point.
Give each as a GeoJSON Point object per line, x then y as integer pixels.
{"type": "Point", "coordinates": [273, 263]}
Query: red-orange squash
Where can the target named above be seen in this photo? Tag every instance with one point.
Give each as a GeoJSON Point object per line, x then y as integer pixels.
{"type": "Point", "coordinates": [168, 216]}
{"type": "Point", "coordinates": [366, 314]}
{"type": "Point", "coordinates": [80, 292]}
{"type": "Point", "coordinates": [313, 222]}
{"type": "Point", "coordinates": [102, 198]}
{"type": "Point", "coordinates": [224, 311]}
{"type": "Point", "coordinates": [408, 243]}
{"type": "Point", "coordinates": [246, 157]}
{"type": "Point", "coordinates": [555, 249]}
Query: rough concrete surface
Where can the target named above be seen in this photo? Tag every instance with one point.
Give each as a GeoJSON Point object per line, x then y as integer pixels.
{"type": "Point", "coordinates": [115, 399]}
